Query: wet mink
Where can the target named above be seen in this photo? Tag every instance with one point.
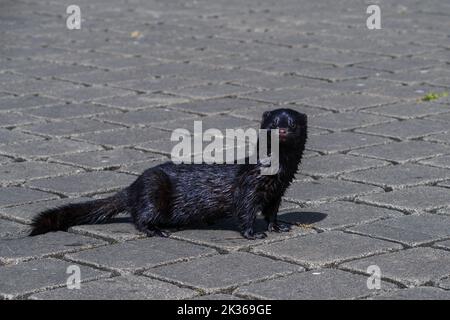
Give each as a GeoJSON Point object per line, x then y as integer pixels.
{"type": "Point", "coordinates": [175, 195]}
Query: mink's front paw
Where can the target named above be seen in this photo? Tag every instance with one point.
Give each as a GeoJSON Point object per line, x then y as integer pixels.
{"type": "Point", "coordinates": [250, 235]}
{"type": "Point", "coordinates": [278, 227]}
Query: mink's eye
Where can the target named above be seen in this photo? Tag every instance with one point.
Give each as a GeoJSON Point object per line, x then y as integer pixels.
{"type": "Point", "coordinates": [291, 123]}
{"type": "Point", "coordinates": [276, 121]}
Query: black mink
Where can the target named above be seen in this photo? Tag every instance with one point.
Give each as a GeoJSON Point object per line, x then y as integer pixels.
{"type": "Point", "coordinates": [175, 195]}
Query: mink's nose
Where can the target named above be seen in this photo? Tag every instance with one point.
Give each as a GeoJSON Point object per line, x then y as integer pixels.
{"type": "Point", "coordinates": [282, 131]}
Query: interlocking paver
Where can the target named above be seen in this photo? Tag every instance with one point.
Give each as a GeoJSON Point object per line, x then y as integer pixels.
{"type": "Point", "coordinates": [22, 249]}
{"type": "Point", "coordinates": [25, 171]}
{"type": "Point", "coordinates": [411, 230]}
{"type": "Point", "coordinates": [141, 254]}
{"type": "Point", "coordinates": [336, 164]}
{"type": "Point", "coordinates": [84, 183]}
{"type": "Point", "coordinates": [118, 288]}
{"type": "Point", "coordinates": [327, 190]}
{"type": "Point", "coordinates": [399, 176]}
{"type": "Point", "coordinates": [336, 215]}
{"type": "Point", "coordinates": [409, 110]}
{"type": "Point", "coordinates": [38, 275]}
{"type": "Point", "coordinates": [407, 129]}
{"type": "Point", "coordinates": [343, 141]}
{"type": "Point", "coordinates": [83, 115]}
{"type": "Point", "coordinates": [413, 200]}
{"type": "Point", "coordinates": [325, 248]}
{"type": "Point", "coordinates": [10, 196]}
{"type": "Point", "coordinates": [25, 212]}
{"type": "Point", "coordinates": [418, 293]}
{"type": "Point", "coordinates": [402, 152]}
{"type": "Point", "coordinates": [321, 284]}
{"type": "Point", "coordinates": [412, 267]}
{"type": "Point", "coordinates": [235, 269]}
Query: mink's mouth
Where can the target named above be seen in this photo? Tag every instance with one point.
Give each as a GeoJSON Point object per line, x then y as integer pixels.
{"type": "Point", "coordinates": [284, 134]}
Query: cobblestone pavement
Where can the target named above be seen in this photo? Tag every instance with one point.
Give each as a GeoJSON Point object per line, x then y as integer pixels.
{"type": "Point", "coordinates": [83, 112]}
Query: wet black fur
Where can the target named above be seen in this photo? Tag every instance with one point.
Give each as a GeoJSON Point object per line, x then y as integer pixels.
{"type": "Point", "coordinates": [171, 195]}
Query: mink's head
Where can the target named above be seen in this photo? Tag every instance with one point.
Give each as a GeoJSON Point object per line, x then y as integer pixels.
{"type": "Point", "coordinates": [292, 125]}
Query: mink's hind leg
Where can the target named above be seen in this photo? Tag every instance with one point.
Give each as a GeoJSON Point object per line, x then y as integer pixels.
{"type": "Point", "coordinates": [151, 203]}
{"type": "Point", "coordinates": [270, 215]}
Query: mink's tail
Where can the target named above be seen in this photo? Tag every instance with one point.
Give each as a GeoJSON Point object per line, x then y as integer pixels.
{"type": "Point", "coordinates": [90, 212]}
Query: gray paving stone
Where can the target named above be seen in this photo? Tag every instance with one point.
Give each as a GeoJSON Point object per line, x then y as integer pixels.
{"type": "Point", "coordinates": [321, 284]}
{"type": "Point", "coordinates": [65, 128]}
{"type": "Point", "coordinates": [412, 93]}
{"type": "Point", "coordinates": [218, 63]}
{"type": "Point", "coordinates": [418, 293]}
{"type": "Point", "coordinates": [69, 111]}
{"type": "Point", "coordinates": [407, 129]}
{"type": "Point", "coordinates": [210, 91]}
{"type": "Point", "coordinates": [105, 159]}
{"type": "Point", "coordinates": [336, 215]}
{"type": "Point", "coordinates": [225, 236]}
{"type": "Point", "coordinates": [221, 122]}
{"type": "Point", "coordinates": [412, 267]}
{"type": "Point", "coordinates": [13, 136]}
{"type": "Point", "coordinates": [255, 113]}
{"type": "Point", "coordinates": [348, 102]}
{"type": "Point", "coordinates": [46, 148]}
{"type": "Point", "coordinates": [237, 269]}
{"type": "Point", "coordinates": [145, 117]}
{"type": "Point", "coordinates": [326, 248]}
{"type": "Point", "coordinates": [409, 110]}
{"type": "Point", "coordinates": [402, 152]}
{"type": "Point", "coordinates": [336, 74]}
{"type": "Point", "coordinates": [38, 275]}
{"type": "Point", "coordinates": [119, 288]}
{"type": "Point", "coordinates": [10, 196]}
{"type": "Point", "coordinates": [84, 183]}
{"type": "Point", "coordinates": [398, 64]}
{"type": "Point", "coordinates": [399, 176]}
{"type": "Point", "coordinates": [412, 200]}
{"type": "Point", "coordinates": [336, 164]}
{"type": "Point", "coordinates": [13, 119]}
{"type": "Point", "coordinates": [29, 170]}
{"type": "Point", "coordinates": [137, 255]}
{"type": "Point", "coordinates": [137, 102]}
{"type": "Point", "coordinates": [287, 95]}
{"type": "Point", "coordinates": [411, 230]}
{"type": "Point", "coordinates": [25, 212]}
{"type": "Point", "coordinates": [117, 229]}
{"type": "Point", "coordinates": [10, 229]}
{"type": "Point", "coordinates": [439, 138]}
{"type": "Point", "coordinates": [124, 137]}
{"type": "Point", "coordinates": [13, 251]}
{"type": "Point", "coordinates": [218, 106]}
{"type": "Point", "coordinates": [416, 76]}
{"type": "Point", "coordinates": [52, 70]}
{"type": "Point", "coordinates": [139, 167]}
{"type": "Point", "coordinates": [343, 141]}
{"type": "Point", "coordinates": [48, 88]}
{"type": "Point", "coordinates": [82, 94]}
{"type": "Point", "coordinates": [159, 84]}
{"type": "Point", "coordinates": [326, 190]}
{"type": "Point", "coordinates": [217, 296]}
{"type": "Point", "coordinates": [445, 283]}
{"type": "Point", "coordinates": [359, 85]}
{"type": "Point", "coordinates": [347, 121]}
{"type": "Point", "coordinates": [25, 102]}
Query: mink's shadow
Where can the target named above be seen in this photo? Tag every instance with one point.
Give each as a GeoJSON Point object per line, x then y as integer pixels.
{"type": "Point", "coordinates": [230, 223]}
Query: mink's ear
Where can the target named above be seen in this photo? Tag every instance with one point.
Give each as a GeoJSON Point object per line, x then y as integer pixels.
{"type": "Point", "coordinates": [266, 114]}
{"type": "Point", "coordinates": [303, 119]}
